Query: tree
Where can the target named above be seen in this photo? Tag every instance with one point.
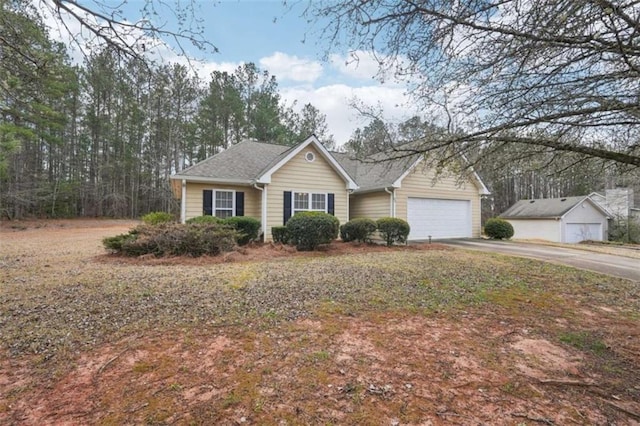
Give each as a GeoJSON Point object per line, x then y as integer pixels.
{"type": "Point", "coordinates": [103, 24]}
{"type": "Point", "coordinates": [558, 74]}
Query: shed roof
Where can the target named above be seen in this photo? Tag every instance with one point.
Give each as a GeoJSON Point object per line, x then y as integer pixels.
{"type": "Point", "coordinates": [546, 208]}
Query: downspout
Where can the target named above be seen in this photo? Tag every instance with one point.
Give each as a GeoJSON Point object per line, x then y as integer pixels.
{"type": "Point", "coordinates": [183, 202]}
{"type": "Point", "coordinates": [393, 200]}
{"type": "Point", "coordinates": [263, 210]}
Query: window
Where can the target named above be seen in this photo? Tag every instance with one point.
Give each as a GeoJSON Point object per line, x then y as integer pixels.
{"type": "Point", "coordinates": [305, 201]}
{"type": "Point", "coordinates": [223, 204]}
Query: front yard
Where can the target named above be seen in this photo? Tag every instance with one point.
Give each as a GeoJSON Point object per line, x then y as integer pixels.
{"type": "Point", "coordinates": [402, 336]}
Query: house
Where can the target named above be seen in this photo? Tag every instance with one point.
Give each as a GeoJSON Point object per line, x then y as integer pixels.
{"type": "Point", "coordinates": [272, 182]}
{"type": "Point", "coordinates": [562, 220]}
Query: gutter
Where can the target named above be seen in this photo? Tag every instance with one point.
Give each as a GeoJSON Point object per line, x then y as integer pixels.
{"type": "Point", "coordinates": [263, 210]}
{"type": "Point", "coordinates": [392, 192]}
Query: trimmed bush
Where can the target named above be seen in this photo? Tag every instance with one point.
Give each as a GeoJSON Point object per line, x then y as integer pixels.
{"type": "Point", "coordinates": [498, 229]}
{"type": "Point", "coordinates": [247, 227]}
{"type": "Point", "coordinates": [170, 239]}
{"type": "Point", "coordinates": [393, 230]}
{"type": "Point", "coordinates": [156, 218]}
{"type": "Point", "coordinates": [359, 229]}
{"type": "Point", "coordinates": [205, 219]}
{"type": "Point", "coordinates": [307, 230]}
{"type": "Point", "coordinates": [280, 234]}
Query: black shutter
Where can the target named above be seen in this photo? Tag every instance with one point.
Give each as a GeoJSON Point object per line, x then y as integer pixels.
{"type": "Point", "coordinates": [207, 202]}
{"type": "Point", "coordinates": [287, 206]}
{"type": "Point", "coordinates": [239, 203]}
{"type": "Point", "coordinates": [330, 204]}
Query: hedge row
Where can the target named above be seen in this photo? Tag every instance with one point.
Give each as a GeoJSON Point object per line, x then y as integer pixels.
{"type": "Point", "coordinates": [308, 230]}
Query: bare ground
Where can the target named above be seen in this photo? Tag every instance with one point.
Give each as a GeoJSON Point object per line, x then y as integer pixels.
{"type": "Point", "coordinates": [350, 335]}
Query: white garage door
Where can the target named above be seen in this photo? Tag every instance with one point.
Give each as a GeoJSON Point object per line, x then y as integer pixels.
{"type": "Point", "coordinates": [576, 232]}
{"type": "Point", "coordinates": [438, 218]}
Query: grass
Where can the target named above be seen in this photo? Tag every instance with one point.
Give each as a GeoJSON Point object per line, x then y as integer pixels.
{"type": "Point", "coordinates": [420, 322]}
{"type": "Point", "coordinates": [585, 341]}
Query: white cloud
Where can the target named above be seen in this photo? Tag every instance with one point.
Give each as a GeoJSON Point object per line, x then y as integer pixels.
{"type": "Point", "coordinates": [334, 100]}
{"type": "Point", "coordinates": [356, 64]}
{"type": "Point", "coordinates": [291, 67]}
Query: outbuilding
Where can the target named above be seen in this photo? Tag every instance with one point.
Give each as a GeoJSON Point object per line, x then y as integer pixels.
{"type": "Point", "coordinates": [562, 220]}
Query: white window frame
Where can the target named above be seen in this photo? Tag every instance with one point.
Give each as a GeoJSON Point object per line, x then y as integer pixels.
{"type": "Point", "coordinates": [214, 208]}
{"type": "Point", "coordinates": [309, 208]}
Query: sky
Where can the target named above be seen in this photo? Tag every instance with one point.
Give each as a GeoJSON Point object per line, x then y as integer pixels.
{"type": "Point", "coordinates": [278, 39]}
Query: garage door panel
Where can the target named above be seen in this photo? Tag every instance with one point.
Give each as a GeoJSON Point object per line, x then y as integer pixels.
{"type": "Point", "coordinates": [577, 232]}
{"type": "Point", "coordinates": [438, 218]}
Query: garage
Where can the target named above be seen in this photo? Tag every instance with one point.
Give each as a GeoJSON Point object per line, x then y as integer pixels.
{"type": "Point", "coordinates": [561, 220]}
{"type": "Point", "coordinates": [438, 218]}
{"type": "Point", "coordinates": [577, 232]}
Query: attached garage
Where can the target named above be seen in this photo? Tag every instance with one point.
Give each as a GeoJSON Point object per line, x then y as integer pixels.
{"type": "Point", "coordinates": [562, 220]}
{"type": "Point", "coordinates": [438, 218]}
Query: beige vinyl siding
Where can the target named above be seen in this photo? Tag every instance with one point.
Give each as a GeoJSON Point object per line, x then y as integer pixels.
{"type": "Point", "coordinates": [299, 175]}
{"type": "Point", "coordinates": [420, 183]}
{"type": "Point", "coordinates": [252, 198]}
{"type": "Point", "coordinates": [372, 205]}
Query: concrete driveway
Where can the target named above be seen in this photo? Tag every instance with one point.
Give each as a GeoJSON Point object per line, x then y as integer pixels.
{"type": "Point", "coordinates": [617, 266]}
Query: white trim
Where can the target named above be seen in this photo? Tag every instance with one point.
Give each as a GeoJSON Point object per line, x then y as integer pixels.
{"type": "Point", "coordinates": [482, 190]}
{"type": "Point", "coordinates": [392, 201]}
{"type": "Point", "coordinates": [266, 176]}
{"type": "Point", "coordinates": [398, 182]}
{"type": "Point", "coordinates": [204, 179]}
{"type": "Point", "coordinates": [311, 194]}
{"type": "Point", "coordinates": [593, 203]}
{"type": "Point", "coordinates": [183, 201]}
{"type": "Point", "coordinates": [213, 200]}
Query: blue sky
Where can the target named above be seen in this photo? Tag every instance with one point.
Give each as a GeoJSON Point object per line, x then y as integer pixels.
{"type": "Point", "coordinates": [280, 40]}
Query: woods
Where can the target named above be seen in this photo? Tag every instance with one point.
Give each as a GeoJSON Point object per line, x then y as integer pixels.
{"type": "Point", "coordinates": [102, 138]}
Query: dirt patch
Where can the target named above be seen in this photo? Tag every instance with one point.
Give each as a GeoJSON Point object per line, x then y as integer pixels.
{"type": "Point", "coordinates": [354, 334]}
{"type": "Point", "coordinates": [431, 371]}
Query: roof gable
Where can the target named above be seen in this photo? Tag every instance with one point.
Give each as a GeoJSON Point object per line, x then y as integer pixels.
{"type": "Point", "coordinates": [548, 208]}
{"type": "Point", "coordinates": [250, 162]}
{"type": "Point", "coordinates": [276, 164]}
{"type": "Point", "coordinates": [386, 170]}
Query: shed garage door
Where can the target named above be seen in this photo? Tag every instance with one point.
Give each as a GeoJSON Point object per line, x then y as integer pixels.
{"type": "Point", "coordinates": [576, 232]}
{"type": "Point", "coordinates": [438, 218]}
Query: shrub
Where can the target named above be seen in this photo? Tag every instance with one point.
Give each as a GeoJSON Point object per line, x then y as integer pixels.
{"type": "Point", "coordinates": [156, 218]}
{"type": "Point", "coordinates": [247, 227]}
{"type": "Point", "coordinates": [307, 230]}
{"type": "Point", "coordinates": [359, 229]}
{"type": "Point", "coordinates": [624, 230]}
{"type": "Point", "coordinates": [115, 243]}
{"type": "Point", "coordinates": [393, 230]}
{"type": "Point", "coordinates": [205, 219]}
{"type": "Point", "coordinates": [498, 229]}
{"type": "Point", "coordinates": [170, 239]}
{"type": "Point", "coordinates": [280, 234]}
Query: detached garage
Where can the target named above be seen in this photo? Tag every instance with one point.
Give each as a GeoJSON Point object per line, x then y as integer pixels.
{"type": "Point", "coordinates": [562, 220]}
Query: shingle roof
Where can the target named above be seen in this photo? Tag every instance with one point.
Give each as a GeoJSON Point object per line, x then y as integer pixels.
{"type": "Point", "coordinates": [242, 163]}
{"type": "Point", "coordinates": [376, 171]}
{"type": "Point", "coordinates": [542, 208]}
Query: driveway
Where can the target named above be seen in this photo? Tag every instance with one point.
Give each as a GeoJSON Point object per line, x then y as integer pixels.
{"type": "Point", "coordinates": [609, 264]}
